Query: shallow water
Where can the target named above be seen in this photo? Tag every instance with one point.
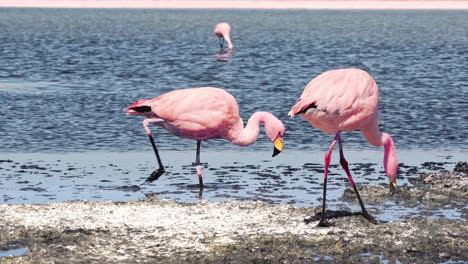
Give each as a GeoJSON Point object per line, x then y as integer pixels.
{"type": "Point", "coordinates": [13, 252]}
{"type": "Point", "coordinates": [293, 178]}
{"type": "Point", "coordinates": [67, 74]}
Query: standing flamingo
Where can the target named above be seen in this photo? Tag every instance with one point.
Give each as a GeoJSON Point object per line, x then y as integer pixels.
{"type": "Point", "coordinates": [201, 114]}
{"type": "Point", "coordinates": [345, 100]}
{"type": "Point", "coordinates": [222, 30]}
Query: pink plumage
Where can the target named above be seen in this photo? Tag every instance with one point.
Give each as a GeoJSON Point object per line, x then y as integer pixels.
{"type": "Point", "coordinates": [201, 114]}
{"type": "Point", "coordinates": [345, 100]}
{"type": "Point", "coordinates": [198, 114]}
{"type": "Point", "coordinates": [223, 30]}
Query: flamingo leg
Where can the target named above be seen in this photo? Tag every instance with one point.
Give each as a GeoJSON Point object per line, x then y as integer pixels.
{"type": "Point", "coordinates": [157, 173]}
{"type": "Point", "coordinates": [344, 164]}
{"type": "Point", "coordinates": [198, 165]}
{"type": "Point", "coordinates": [221, 42]}
{"type": "Point", "coordinates": [323, 222]}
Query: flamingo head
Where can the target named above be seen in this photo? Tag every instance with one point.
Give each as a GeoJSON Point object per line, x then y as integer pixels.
{"type": "Point", "coordinates": [274, 129]}
{"type": "Point", "coordinates": [140, 107]}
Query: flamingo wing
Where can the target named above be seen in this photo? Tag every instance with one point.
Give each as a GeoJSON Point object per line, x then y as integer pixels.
{"type": "Point", "coordinates": [346, 95]}
{"type": "Point", "coordinates": [200, 112]}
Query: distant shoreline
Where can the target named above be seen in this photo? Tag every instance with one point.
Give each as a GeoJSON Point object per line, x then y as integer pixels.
{"type": "Point", "coordinates": [244, 4]}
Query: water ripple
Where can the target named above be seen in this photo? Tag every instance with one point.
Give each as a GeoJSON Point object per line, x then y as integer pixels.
{"type": "Point", "coordinates": [66, 74]}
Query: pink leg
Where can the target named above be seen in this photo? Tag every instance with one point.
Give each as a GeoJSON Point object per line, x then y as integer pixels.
{"type": "Point", "coordinates": [323, 222]}
{"type": "Point", "coordinates": [344, 164]}
{"type": "Point", "coordinates": [328, 156]}
{"type": "Point", "coordinates": [199, 171]}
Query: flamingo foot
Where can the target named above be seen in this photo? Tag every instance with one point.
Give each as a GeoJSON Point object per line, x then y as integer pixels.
{"type": "Point", "coordinates": [370, 218]}
{"type": "Point", "coordinates": [155, 175]}
{"type": "Point", "coordinates": [325, 223]}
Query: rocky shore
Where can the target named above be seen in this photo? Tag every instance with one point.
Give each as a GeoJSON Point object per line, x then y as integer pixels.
{"type": "Point", "coordinates": [162, 231]}
{"type": "Point", "coordinates": [435, 190]}
{"type": "Point", "coordinates": [157, 230]}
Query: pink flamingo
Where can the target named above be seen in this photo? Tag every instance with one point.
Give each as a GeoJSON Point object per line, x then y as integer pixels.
{"type": "Point", "coordinates": [345, 100]}
{"type": "Point", "coordinates": [201, 114]}
{"type": "Point", "coordinates": [222, 30]}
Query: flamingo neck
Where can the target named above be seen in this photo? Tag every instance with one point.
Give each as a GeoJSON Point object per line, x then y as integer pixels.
{"type": "Point", "coordinates": [390, 159]}
{"type": "Point", "coordinates": [245, 136]}
{"type": "Point", "coordinates": [228, 40]}
{"type": "Point", "coordinates": [373, 136]}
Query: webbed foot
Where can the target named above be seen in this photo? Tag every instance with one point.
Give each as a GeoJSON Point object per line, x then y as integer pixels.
{"type": "Point", "coordinates": [155, 175]}
{"type": "Point", "coordinates": [370, 218]}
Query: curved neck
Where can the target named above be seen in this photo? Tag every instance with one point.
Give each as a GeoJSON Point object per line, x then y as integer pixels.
{"type": "Point", "coordinates": [245, 136]}
{"type": "Point", "coordinates": [373, 136]}
{"type": "Point", "coordinates": [390, 159]}
{"type": "Point", "coordinates": [228, 40]}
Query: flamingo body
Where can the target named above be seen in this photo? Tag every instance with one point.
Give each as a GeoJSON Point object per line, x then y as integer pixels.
{"type": "Point", "coordinates": [205, 113]}
{"type": "Point", "coordinates": [345, 100]}
{"type": "Point", "coordinates": [223, 30]}
{"type": "Point", "coordinates": [199, 114]}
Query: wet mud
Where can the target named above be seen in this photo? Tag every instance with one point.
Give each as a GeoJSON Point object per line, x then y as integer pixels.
{"type": "Point", "coordinates": [441, 188]}
{"type": "Point", "coordinates": [163, 231]}
{"type": "Point", "coordinates": [154, 229]}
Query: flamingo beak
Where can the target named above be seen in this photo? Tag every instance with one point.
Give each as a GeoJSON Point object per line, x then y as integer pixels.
{"type": "Point", "coordinates": [137, 109]}
{"type": "Point", "coordinates": [278, 146]}
{"type": "Point", "coordinates": [129, 111]}
{"type": "Point", "coordinates": [393, 186]}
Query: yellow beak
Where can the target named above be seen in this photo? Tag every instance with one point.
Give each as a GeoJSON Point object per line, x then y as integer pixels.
{"type": "Point", "coordinates": [278, 146]}
{"type": "Point", "coordinates": [393, 186]}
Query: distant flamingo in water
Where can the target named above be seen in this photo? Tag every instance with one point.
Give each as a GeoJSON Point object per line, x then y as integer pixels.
{"type": "Point", "coordinates": [345, 100]}
{"type": "Point", "coordinates": [222, 30]}
{"type": "Point", "coordinates": [201, 114]}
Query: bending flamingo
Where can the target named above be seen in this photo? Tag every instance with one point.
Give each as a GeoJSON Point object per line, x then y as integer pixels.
{"type": "Point", "coordinates": [222, 30]}
{"type": "Point", "coordinates": [345, 100]}
{"type": "Point", "coordinates": [201, 114]}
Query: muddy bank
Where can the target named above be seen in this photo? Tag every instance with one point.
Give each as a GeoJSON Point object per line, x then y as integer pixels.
{"type": "Point", "coordinates": [437, 188]}
{"type": "Point", "coordinates": [160, 231]}
{"type": "Point", "coordinates": [435, 192]}
{"type": "Point", "coordinates": [457, 180]}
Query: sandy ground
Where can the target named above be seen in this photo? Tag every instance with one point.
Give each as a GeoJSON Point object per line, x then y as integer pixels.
{"type": "Point", "coordinates": [157, 230]}
{"type": "Point", "coordinates": [240, 4]}
{"type": "Point", "coordinates": [161, 231]}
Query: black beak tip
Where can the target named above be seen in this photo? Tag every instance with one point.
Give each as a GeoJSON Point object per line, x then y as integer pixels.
{"type": "Point", "coordinates": [275, 152]}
